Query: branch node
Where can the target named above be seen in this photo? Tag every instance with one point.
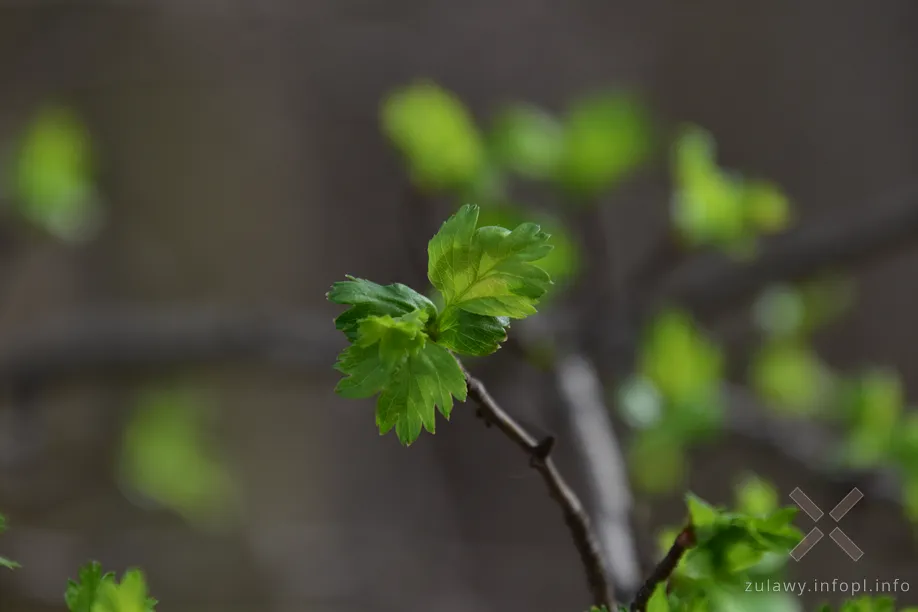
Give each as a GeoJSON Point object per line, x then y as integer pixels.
{"type": "Point", "coordinates": [543, 448]}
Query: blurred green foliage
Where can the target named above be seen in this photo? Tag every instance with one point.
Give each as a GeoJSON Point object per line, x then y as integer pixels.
{"type": "Point", "coordinates": [4, 562]}
{"type": "Point", "coordinates": [600, 140]}
{"type": "Point", "coordinates": [791, 377]}
{"type": "Point", "coordinates": [436, 134]}
{"type": "Point", "coordinates": [606, 137]}
{"type": "Point", "coordinates": [784, 311]}
{"type": "Point", "coordinates": [168, 457]}
{"type": "Point", "coordinates": [52, 176]}
{"type": "Point", "coordinates": [528, 141]}
{"type": "Point", "coordinates": [713, 207]}
{"type": "Point", "coordinates": [674, 400]}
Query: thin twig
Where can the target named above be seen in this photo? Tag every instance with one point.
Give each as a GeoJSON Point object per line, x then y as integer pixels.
{"type": "Point", "coordinates": [665, 568]}
{"type": "Point", "coordinates": [539, 452]}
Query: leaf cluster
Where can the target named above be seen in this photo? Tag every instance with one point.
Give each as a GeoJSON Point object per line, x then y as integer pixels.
{"type": "Point", "coordinates": [402, 343]}
{"type": "Point", "coordinates": [95, 591]}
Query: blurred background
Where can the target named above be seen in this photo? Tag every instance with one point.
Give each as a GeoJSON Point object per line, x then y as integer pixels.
{"type": "Point", "coordinates": [732, 195]}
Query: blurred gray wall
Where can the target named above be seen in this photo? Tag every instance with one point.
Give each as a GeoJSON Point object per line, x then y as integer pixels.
{"type": "Point", "coordinates": [244, 167]}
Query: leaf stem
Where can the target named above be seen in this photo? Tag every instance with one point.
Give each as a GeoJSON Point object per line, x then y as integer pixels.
{"type": "Point", "coordinates": [539, 452]}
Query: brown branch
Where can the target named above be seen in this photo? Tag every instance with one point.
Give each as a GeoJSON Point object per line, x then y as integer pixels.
{"type": "Point", "coordinates": [665, 568]}
{"type": "Point", "coordinates": [714, 284]}
{"type": "Point", "coordinates": [116, 339]}
{"type": "Point", "coordinates": [539, 452]}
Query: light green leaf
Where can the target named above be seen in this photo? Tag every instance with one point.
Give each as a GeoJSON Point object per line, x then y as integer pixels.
{"type": "Point", "coordinates": [528, 141]}
{"type": "Point", "coordinates": [437, 135]}
{"type": "Point", "coordinates": [657, 461]}
{"type": "Point", "coordinates": [488, 270]}
{"type": "Point", "coordinates": [658, 601]}
{"type": "Point", "coordinates": [681, 362]}
{"type": "Point", "coordinates": [397, 337]}
{"type": "Point", "coordinates": [52, 180]}
{"type": "Point", "coordinates": [168, 457]}
{"type": "Point", "coordinates": [791, 377]}
{"type": "Point", "coordinates": [701, 513]}
{"type": "Point", "coordinates": [717, 207]}
{"type": "Point", "coordinates": [767, 208]}
{"type": "Point", "coordinates": [606, 136]}
{"type": "Point", "coordinates": [874, 405]}
{"type": "Point", "coordinates": [756, 497]}
{"type": "Point", "coordinates": [130, 595]}
{"type": "Point", "coordinates": [432, 377]}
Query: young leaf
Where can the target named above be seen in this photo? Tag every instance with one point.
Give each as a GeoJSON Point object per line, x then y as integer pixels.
{"type": "Point", "coordinates": [489, 270]}
{"type": "Point", "coordinates": [369, 299]}
{"type": "Point", "coordinates": [658, 601]}
{"type": "Point", "coordinates": [81, 593]}
{"type": "Point", "coordinates": [128, 596]}
{"type": "Point", "coordinates": [432, 377]}
{"type": "Point", "coordinates": [471, 334]}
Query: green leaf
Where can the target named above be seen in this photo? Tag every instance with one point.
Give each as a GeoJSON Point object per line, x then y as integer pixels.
{"type": "Point", "coordinates": [681, 362]}
{"type": "Point", "coordinates": [767, 208]}
{"type": "Point", "coordinates": [396, 337]}
{"type": "Point", "coordinates": [701, 513]}
{"type": "Point", "coordinates": [432, 377]}
{"type": "Point", "coordinates": [130, 595]}
{"type": "Point", "coordinates": [52, 181]}
{"type": "Point", "coordinates": [658, 601]}
{"type": "Point", "coordinates": [606, 136]}
{"type": "Point", "coordinates": [756, 497]}
{"type": "Point", "coordinates": [167, 456]}
{"type": "Point", "coordinates": [488, 270]}
{"type": "Point", "coordinates": [563, 262]}
{"type": "Point", "coordinates": [471, 334]}
{"type": "Point", "coordinates": [4, 562]}
{"type": "Point", "coordinates": [719, 208]}
{"type": "Point", "coordinates": [81, 593]}
{"type": "Point", "coordinates": [437, 135]}
{"type": "Point", "coordinates": [874, 405]}
{"type": "Point", "coordinates": [791, 377]}
{"type": "Point", "coordinates": [657, 461]}
{"type": "Point", "coordinates": [527, 141]}
{"type": "Point", "coordinates": [367, 299]}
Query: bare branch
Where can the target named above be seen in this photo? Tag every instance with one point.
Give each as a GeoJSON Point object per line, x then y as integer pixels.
{"type": "Point", "coordinates": [116, 340]}
{"type": "Point", "coordinates": [713, 284]}
{"type": "Point", "coordinates": [601, 453]}
{"type": "Point", "coordinates": [539, 452]}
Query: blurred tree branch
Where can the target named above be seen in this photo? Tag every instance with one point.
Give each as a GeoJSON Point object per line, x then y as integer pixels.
{"type": "Point", "coordinates": [711, 284]}
{"type": "Point", "coordinates": [124, 339]}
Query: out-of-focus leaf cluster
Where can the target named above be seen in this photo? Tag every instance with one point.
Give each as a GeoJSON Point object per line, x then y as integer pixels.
{"type": "Point", "coordinates": [675, 399]}
{"type": "Point", "coordinates": [718, 208]}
